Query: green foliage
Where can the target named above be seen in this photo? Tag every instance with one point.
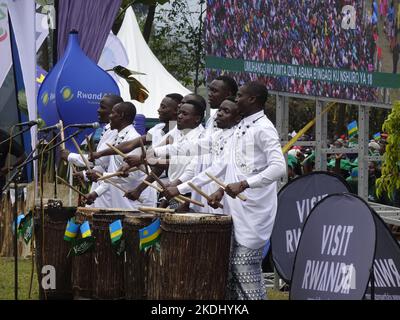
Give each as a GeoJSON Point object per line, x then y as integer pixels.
{"type": "Point", "coordinates": [389, 181]}
{"type": "Point", "coordinates": [175, 41]}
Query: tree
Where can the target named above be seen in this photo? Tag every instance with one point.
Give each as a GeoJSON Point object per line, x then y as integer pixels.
{"type": "Point", "coordinates": [151, 7]}
{"type": "Point", "coordinates": [177, 41]}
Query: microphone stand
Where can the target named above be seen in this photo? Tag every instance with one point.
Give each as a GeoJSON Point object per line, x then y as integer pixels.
{"type": "Point", "coordinates": [55, 169]}
{"type": "Point", "coordinates": [14, 135]}
{"type": "Point", "coordinates": [14, 179]}
{"type": "Point", "coordinates": [58, 143]}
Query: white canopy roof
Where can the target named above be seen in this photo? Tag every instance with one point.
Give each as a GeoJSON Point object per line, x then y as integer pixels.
{"type": "Point", "coordinates": [157, 80]}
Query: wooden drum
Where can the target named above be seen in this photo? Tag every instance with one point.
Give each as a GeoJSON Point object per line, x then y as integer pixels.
{"type": "Point", "coordinates": [136, 260]}
{"type": "Point", "coordinates": [82, 275]}
{"type": "Point", "coordinates": [109, 267]}
{"type": "Point", "coordinates": [194, 259]}
{"type": "Point", "coordinates": [52, 249]}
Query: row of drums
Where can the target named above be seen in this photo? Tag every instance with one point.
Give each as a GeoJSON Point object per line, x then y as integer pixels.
{"type": "Point", "coordinates": [192, 262]}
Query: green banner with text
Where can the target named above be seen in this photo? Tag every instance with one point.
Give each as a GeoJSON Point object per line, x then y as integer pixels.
{"type": "Point", "coordinates": [331, 75]}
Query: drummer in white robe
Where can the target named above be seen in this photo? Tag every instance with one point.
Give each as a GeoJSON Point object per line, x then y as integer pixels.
{"type": "Point", "coordinates": [253, 167]}
{"type": "Point", "coordinates": [107, 136]}
{"type": "Point", "coordinates": [218, 90]}
{"type": "Point", "coordinates": [212, 149]}
{"type": "Point", "coordinates": [121, 119]}
{"type": "Point", "coordinates": [180, 153]}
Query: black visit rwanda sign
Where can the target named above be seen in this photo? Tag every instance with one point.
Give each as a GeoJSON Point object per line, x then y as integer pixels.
{"type": "Point", "coordinates": [386, 264]}
{"type": "Point", "coordinates": [295, 201]}
{"type": "Point", "coordinates": [336, 250]}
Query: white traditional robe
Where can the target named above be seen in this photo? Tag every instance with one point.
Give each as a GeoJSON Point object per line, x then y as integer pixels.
{"type": "Point", "coordinates": [212, 149]}
{"type": "Point", "coordinates": [181, 151]}
{"type": "Point", "coordinates": [255, 156]}
{"type": "Point", "coordinates": [107, 136]}
{"type": "Point", "coordinates": [131, 182]}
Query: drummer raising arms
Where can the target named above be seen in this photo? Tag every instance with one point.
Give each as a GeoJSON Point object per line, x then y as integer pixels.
{"type": "Point", "coordinates": [254, 163]}
{"type": "Point", "coordinates": [257, 164]}
{"type": "Point", "coordinates": [212, 148]}
{"type": "Point", "coordinates": [107, 136]}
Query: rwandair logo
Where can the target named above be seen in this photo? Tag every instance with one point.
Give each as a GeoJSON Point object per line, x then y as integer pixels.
{"type": "Point", "coordinates": [45, 98]}
{"type": "Point", "coordinates": [66, 93]}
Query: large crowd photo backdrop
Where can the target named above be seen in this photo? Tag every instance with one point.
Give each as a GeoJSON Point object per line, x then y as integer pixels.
{"type": "Point", "coordinates": [318, 48]}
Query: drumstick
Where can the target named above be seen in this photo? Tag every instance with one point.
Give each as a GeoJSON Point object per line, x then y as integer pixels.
{"type": "Point", "coordinates": [223, 185]}
{"type": "Point", "coordinates": [152, 186]}
{"type": "Point", "coordinates": [202, 193]}
{"type": "Point", "coordinates": [146, 165]}
{"type": "Point", "coordinates": [85, 161]}
{"type": "Point", "coordinates": [112, 183]}
{"type": "Point", "coordinates": [115, 174]}
{"type": "Point", "coordinates": [88, 144]}
{"type": "Point", "coordinates": [161, 190]}
{"type": "Point", "coordinates": [146, 209]}
{"type": "Point", "coordinates": [62, 145]}
{"type": "Point", "coordinates": [158, 180]}
{"type": "Point", "coordinates": [123, 155]}
{"type": "Point", "coordinates": [186, 199]}
{"type": "Point", "coordinates": [116, 186]}
{"type": "Point", "coordinates": [74, 171]}
{"type": "Point", "coordinates": [72, 187]}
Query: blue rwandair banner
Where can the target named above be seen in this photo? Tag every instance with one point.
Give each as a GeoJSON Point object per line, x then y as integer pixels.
{"type": "Point", "coordinates": [73, 89]}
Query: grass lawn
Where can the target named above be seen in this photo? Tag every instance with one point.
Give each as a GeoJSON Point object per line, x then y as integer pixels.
{"type": "Point", "coordinates": [24, 274]}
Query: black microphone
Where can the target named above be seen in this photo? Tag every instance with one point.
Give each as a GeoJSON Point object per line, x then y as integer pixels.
{"type": "Point", "coordinates": [93, 125]}
{"type": "Point", "coordinates": [28, 123]}
{"type": "Point", "coordinates": [47, 129]}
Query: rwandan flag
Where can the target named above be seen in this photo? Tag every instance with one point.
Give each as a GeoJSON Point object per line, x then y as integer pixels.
{"type": "Point", "coordinates": [85, 230]}
{"type": "Point", "coordinates": [352, 128]}
{"type": "Point", "coordinates": [71, 231]}
{"type": "Point", "coordinates": [377, 136]}
{"type": "Point", "coordinates": [115, 231]}
{"type": "Point", "coordinates": [149, 235]}
{"type": "Point", "coordinates": [20, 217]}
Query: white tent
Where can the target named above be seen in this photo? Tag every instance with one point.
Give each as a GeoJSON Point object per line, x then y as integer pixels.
{"type": "Point", "coordinates": [157, 80]}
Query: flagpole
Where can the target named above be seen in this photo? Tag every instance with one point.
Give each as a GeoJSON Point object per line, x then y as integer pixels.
{"type": "Point", "coordinates": [15, 182]}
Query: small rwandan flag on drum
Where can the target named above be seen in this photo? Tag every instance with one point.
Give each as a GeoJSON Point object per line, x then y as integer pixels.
{"type": "Point", "coordinates": [26, 227]}
{"type": "Point", "coordinates": [85, 230]}
{"type": "Point", "coordinates": [71, 231]}
{"type": "Point", "coordinates": [115, 231]}
{"type": "Point", "coordinates": [19, 219]}
{"type": "Point", "coordinates": [352, 128]}
{"type": "Point", "coordinates": [377, 136]}
{"type": "Point", "coordinates": [149, 235]}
